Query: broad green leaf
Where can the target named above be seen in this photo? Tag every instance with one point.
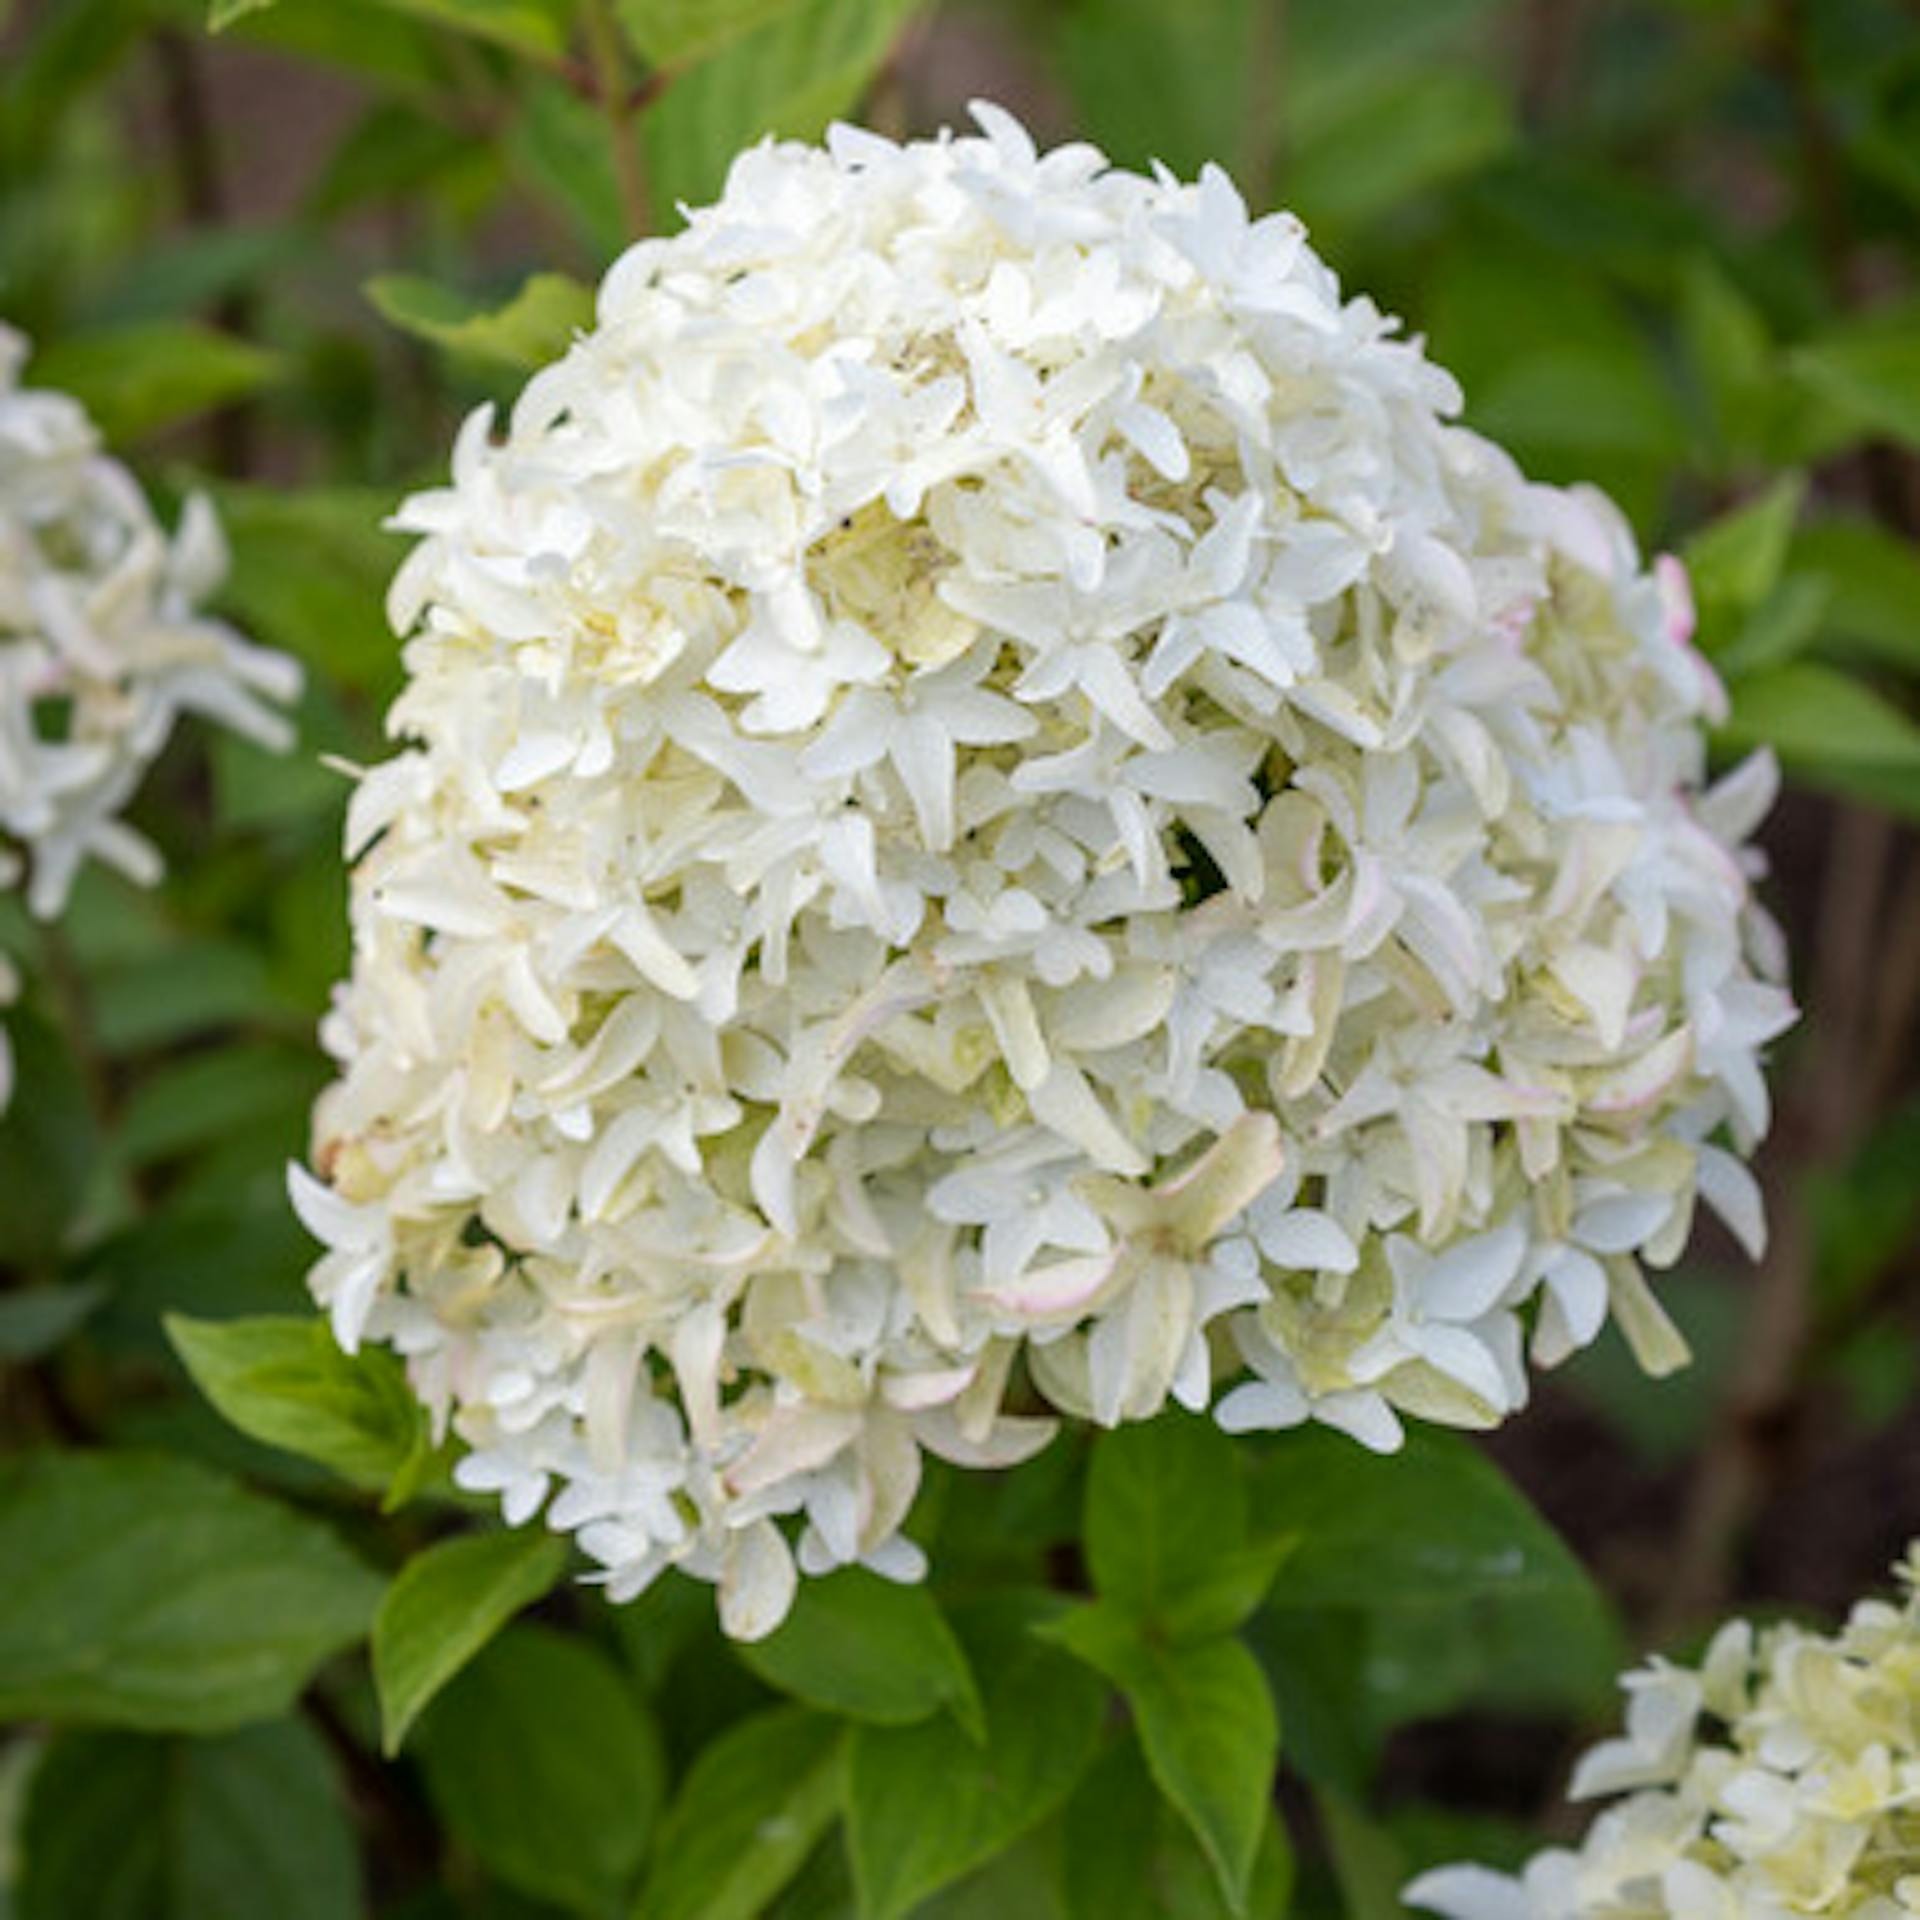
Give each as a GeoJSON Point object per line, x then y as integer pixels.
{"type": "Point", "coordinates": [34, 1320]}
{"type": "Point", "coordinates": [1166, 1527]}
{"type": "Point", "coordinates": [1871, 367]}
{"type": "Point", "coordinates": [1125, 1854]}
{"type": "Point", "coordinates": [1731, 356]}
{"type": "Point", "coordinates": [537, 325]}
{"type": "Point", "coordinates": [246, 1826]}
{"type": "Point", "coordinates": [1016, 1885]}
{"type": "Point", "coordinates": [1152, 82]}
{"type": "Point", "coordinates": [1736, 562]}
{"type": "Point", "coordinates": [444, 1605]}
{"type": "Point", "coordinates": [1338, 57]}
{"type": "Point", "coordinates": [283, 1379]}
{"type": "Point", "coordinates": [49, 1145]}
{"type": "Point", "coordinates": [926, 1805]}
{"type": "Point", "coordinates": [543, 1762]}
{"type": "Point", "coordinates": [223, 13]}
{"type": "Point", "coordinates": [1872, 578]}
{"type": "Point", "coordinates": [1781, 628]}
{"type": "Point", "coordinates": [747, 1815]}
{"type": "Point", "coordinates": [310, 570]}
{"type": "Point", "coordinates": [183, 991]}
{"type": "Point", "coordinates": [559, 146]}
{"type": "Point", "coordinates": [1207, 1726]}
{"type": "Point", "coordinates": [790, 76]}
{"type": "Point", "coordinates": [1436, 1522]}
{"type": "Point", "coordinates": [136, 379]}
{"type": "Point", "coordinates": [1429, 129]}
{"type": "Point", "coordinates": [1366, 1863]}
{"type": "Point", "coordinates": [1822, 721]}
{"type": "Point", "coordinates": [865, 1647]}
{"type": "Point", "coordinates": [534, 29]}
{"type": "Point", "coordinates": [145, 1591]}
{"type": "Point", "coordinates": [207, 1096]}
{"type": "Point", "coordinates": [671, 33]}
{"type": "Point", "coordinates": [1539, 1653]}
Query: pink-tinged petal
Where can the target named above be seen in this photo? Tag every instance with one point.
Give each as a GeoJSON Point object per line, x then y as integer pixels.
{"type": "Point", "coordinates": [1648, 1081]}
{"type": "Point", "coordinates": [795, 1440]}
{"type": "Point", "coordinates": [915, 1392]}
{"type": "Point", "coordinates": [1061, 1290]}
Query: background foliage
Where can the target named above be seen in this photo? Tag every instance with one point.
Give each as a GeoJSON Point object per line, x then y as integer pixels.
{"type": "Point", "coordinates": [254, 1657]}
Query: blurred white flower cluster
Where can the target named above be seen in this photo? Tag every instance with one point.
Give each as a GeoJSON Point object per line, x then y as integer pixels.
{"type": "Point", "coordinates": [1781, 1778]}
{"type": "Point", "coordinates": [998, 813]}
{"type": "Point", "coordinates": [102, 649]}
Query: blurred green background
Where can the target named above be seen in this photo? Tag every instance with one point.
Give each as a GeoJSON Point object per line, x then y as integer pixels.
{"type": "Point", "coordinates": [1669, 246]}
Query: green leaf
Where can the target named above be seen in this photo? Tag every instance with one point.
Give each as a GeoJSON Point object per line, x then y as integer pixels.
{"type": "Point", "coordinates": [444, 1605]}
{"type": "Point", "coordinates": [1437, 1522]}
{"type": "Point", "coordinates": [670, 33]}
{"type": "Point", "coordinates": [534, 29]}
{"type": "Point", "coordinates": [800, 69]}
{"type": "Point", "coordinates": [181, 991]}
{"type": "Point", "coordinates": [223, 13]}
{"type": "Point", "coordinates": [1736, 562]}
{"type": "Point", "coordinates": [136, 379]}
{"type": "Point", "coordinates": [1366, 1862]}
{"type": "Point", "coordinates": [1731, 356]}
{"type": "Point", "coordinates": [1872, 578]}
{"type": "Point", "coordinates": [1820, 719]}
{"type": "Point", "coordinates": [541, 1759]}
{"type": "Point", "coordinates": [558, 145]}
{"type": "Point", "coordinates": [1428, 129]}
{"type": "Point", "coordinates": [865, 1647]}
{"type": "Point", "coordinates": [537, 325]}
{"type": "Point", "coordinates": [1166, 1527]}
{"type": "Point", "coordinates": [35, 1320]}
{"type": "Point", "coordinates": [310, 568]}
{"type": "Point", "coordinates": [1207, 1725]}
{"type": "Point", "coordinates": [750, 1811]}
{"type": "Point", "coordinates": [149, 1592]}
{"type": "Point", "coordinates": [49, 1146]}
{"type": "Point", "coordinates": [1153, 82]}
{"type": "Point", "coordinates": [1871, 367]}
{"type": "Point", "coordinates": [248, 1825]}
{"type": "Point", "coordinates": [1125, 1854]}
{"type": "Point", "coordinates": [926, 1805]}
{"type": "Point", "coordinates": [283, 1380]}
{"type": "Point", "coordinates": [209, 1096]}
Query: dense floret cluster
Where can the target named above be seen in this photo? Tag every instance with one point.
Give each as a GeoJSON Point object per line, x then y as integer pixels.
{"type": "Point", "coordinates": [998, 815]}
{"type": "Point", "coordinates": [1780, 1778]}
{"type": "Point", "coordinates": [103, 647]}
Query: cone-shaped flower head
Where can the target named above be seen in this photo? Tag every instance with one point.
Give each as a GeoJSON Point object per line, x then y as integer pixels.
{"type": "Point", "coordinates": [1782, 1777]}
{"type": "Point", "coordinates": [996, 811]}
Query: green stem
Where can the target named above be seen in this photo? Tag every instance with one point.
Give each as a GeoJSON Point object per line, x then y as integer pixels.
{"type": "Point", "coordinates": [614, 87]}
{"type": "Point", "coordinates": [1266, 102]}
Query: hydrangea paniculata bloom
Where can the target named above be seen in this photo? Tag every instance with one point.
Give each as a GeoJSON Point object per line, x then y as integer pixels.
{"type": "Point", "coordinates": [1780, 1778]}
{"type": "Point", "coordinates": [992, 794]}
{"type": "Point", "coordinates": [103, 647]}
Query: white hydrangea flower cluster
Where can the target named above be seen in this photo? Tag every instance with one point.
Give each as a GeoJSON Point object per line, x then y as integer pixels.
{"type": "Point", "coordinates": [993, 796]}
{"type": "Point", "coordinates": [1781, 1778]}
{"type": "Point", "coordinates": [102, 649]}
